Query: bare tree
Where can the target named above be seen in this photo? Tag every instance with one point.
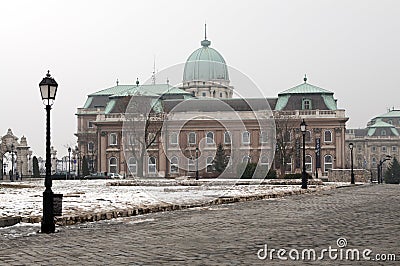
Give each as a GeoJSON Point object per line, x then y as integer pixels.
{"type": "Point", "coordinates": [287, 140]}
{"type": "Point", "coordinates": [143, 119]}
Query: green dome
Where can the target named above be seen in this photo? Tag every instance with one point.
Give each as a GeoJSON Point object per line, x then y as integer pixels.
{"type": "Point", "coordinates": [205, 64]}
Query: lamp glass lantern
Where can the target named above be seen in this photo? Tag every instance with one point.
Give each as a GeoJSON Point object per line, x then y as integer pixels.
{"type": "Point", "coordinates": [351, 145]}
{"type": "Point", "coordinates": [48, 87]}
{"type": "Point", "coordinates": [303, 126]}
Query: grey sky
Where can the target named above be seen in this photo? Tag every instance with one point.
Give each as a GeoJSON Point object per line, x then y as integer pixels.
{"type": "Point", "coordinates": [349, 47]}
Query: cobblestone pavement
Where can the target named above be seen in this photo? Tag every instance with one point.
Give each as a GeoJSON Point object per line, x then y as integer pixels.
{"type": "Point", "coordinates": [366, 216]}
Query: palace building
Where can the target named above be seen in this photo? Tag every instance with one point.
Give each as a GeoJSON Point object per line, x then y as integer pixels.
{"type": "Point", "coordinates": [185, 124]}
{"type": "Point", "coordinates": [381, 137]}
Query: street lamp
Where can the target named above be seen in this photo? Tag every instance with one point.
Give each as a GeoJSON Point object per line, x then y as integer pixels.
{"type": "Point", "coordinates": [351, 146]}
{"type": "Point", "coordinates": [303, 127]}
{"type": "Point", "coordinates": [12, 163]}
{"type": "Point", "coordinates": [381, 161]}
{"type": "Point", "coordinates": [48, 89]}
{"type": "Point", "coordinates": [197, 163]}
{"type": "Point", "coordinates": [69, 162]}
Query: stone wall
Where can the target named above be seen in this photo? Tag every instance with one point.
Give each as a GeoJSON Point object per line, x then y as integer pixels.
{"type": "Point", "coordinates": [344, 175]}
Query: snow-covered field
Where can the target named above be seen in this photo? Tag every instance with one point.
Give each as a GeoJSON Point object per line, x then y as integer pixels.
{"type": "Point", "coordinates": [84, 196]}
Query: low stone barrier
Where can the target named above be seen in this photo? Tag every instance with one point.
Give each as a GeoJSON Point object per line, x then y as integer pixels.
{"type": "Point", "coordinates": [145, 209]}
{"type": "Point", "coordinates": [213, 182]}
{"type": "Point", "coordinates": [9, 221]}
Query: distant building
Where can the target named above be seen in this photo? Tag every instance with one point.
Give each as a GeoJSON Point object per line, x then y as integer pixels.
{"type": "Point", "coordinates": [102, 140]}
{"type": "Point", "coordinates": [381, 137]}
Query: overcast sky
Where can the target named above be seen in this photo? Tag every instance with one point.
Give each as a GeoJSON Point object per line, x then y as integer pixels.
{"type": "Point", "coordinates": [349, 47]}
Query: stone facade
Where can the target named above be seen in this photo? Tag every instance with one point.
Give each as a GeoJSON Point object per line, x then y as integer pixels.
{"type": "Point", "coordinates": [380, 138]}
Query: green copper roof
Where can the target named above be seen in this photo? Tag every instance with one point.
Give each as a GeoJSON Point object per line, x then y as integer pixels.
{"type": "Point", "coordinates": [391, 113]}
{"type": "Point", "coordinates": [112, 90]}
{"type": "Point", "coordinates": [148, 90]}
{"type": "Point", "coordinates": [88, 102]}
{"type": "Point", "coordinates": [305, 88]}
{"type": "Point", "coordinates": [329, 101]}
{"type": "Point", "coordinates": [282, 102]}
{"type": "Point", "coordinates": [205, 64]}
{"type": "Point", "coordinates": [381, 124]}
{"type": "Point", "coordinates": [154, 90]}
{"type": "Point", "coordinates": [110, 106]}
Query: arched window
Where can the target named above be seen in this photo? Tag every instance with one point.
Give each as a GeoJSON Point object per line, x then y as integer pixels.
{"type": "Point", "coordinates": [359, 163]}
{"type": "Point", "coordinates": [210, 138]}
{"type": "Point", "coordinates": [246, 159]}
{"type": "Point", "coordinates": [287, 137]}
{"type": "Point", "coordinates": [308, 136]}
{"type": "Point", "coordinates": [191, 165]}
{"type": "Point", "coordinates": [152, 165]}
{"type": "Point", "coordinates": [328, 136]}
{"type": "Point", "coordinates": [264, 161]}
{"type": "Point", "coordinates": [90, 146]}
{"type": "Point", "coordinates": [174, 138]}
{"type": "Point", "coordinates": [112, 165]}
{"type": "Point", "coordinates": [246, 137]}
{"type": "Point", "coordinates": [308, 163]}
{"type": "Point", "coordinates": [373, 162]}
{"type": "Point", "coordinates": [289, 165]}
{"type": "Point", "coordinates": [228, 160]}
{"type": "Point", "coordinates": [210, 164]}
{"type": "Point", "coordinates": [263, 137]}
{"type": "Point", "coordinates": [113, 139]}
{"type": "Point", "coordinates": [328, 163]}
{"type": "Point", "coordinates": [174, 165]}
{"type": "Point", "coordinates": [192, 138]}
{"type": "Point", "coordinates": [227, 137]}
{"type": "Point", "coordinates": [132, 165]}
{"type": "Point", "coordinates": [383, 132]}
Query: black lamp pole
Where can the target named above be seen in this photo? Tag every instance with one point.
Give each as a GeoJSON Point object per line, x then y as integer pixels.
{"type": "Point", "coordinates": [12, 163]}
{"type": "Point", "coordinates": [197, 163]}
{"type": "Point", "coordinates": [303, 127]}
{"type": "Point", "coordinates": [69, 162]}
{"type": "Point", "coordinates": [381, 161]}
{"type": "Point", "coordinates": [48, 88]}
{"type": "Point", "coordinates": [78, 157]}
{"type": "Point", "coordinates": [351, 146]}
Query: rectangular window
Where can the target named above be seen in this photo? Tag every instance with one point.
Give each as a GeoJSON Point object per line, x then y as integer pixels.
{"type": "Point", "coordinates": [191, 165]}
{"type": "Point", "coordinates": [306, 104]}
{"type": "Point", "coordinates": [246, 137]}
{"type": "Point", "coordinates": [174, 138]}
{"type": "Point", "coordinates": [90, 124]}
{"type": "Point", "coordinates": [263, 137]}
{"type": "Point", "coordinates": [373, 148]}
{"type": "Point", "coordinates": [227, 137]}
{"type": "Point", "coordinates": [113, 139]}
{"type": "Point", "coordinates": [192, 138]}
{"type": "Point", "coordinates": [394, 148]}
{"type": "Point", "coordinates": [383, 149]}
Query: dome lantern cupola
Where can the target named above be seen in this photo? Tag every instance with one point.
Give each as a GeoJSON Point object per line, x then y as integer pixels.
{"type": "Point", "coordinates": [206, 73]}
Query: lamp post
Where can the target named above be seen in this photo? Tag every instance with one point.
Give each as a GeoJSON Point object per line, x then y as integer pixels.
{"type": "Point", "coordinates": [303, 127]}
{"type": "Point", "coordinates": [351, 146]}
{"type": "Point", "coordinates": [12, 163]}
{"type": "Point", "coordinates": [48, 89]}
{"type": "Point", "coordinates": [197, 163]}
{"type": "Point", "coordinates": [381, 161]}
{"type": "Point", "coordinates": [79, 157]}
{"type": "Point", "coordinates": [69, 162]}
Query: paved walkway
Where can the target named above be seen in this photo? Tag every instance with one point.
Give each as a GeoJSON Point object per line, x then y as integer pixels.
{"type": "Point", "coordinates": [366, 216]}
